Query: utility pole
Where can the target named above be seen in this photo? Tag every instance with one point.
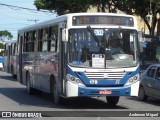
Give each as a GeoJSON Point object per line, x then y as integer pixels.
{"type": "Point", "coordinates": [35, 20]}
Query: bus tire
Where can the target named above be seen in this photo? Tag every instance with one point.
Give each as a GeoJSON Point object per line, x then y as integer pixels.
{"type": "Point", "coordinates": [142, 95]}
{"type": "Point", "coordinates": [57, 99]}
{"type": "Point", "coordinates": [30, 90]}
{"type": "Point", "coordinates": [56, 96]}
{"type": "Point", "coordinates": [112, 100]}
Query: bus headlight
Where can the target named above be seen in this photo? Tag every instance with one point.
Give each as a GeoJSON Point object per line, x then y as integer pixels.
{"type": "Point", "coordinates": [132, 80]}
{"type": "Point", "coordinates": [74, 80]}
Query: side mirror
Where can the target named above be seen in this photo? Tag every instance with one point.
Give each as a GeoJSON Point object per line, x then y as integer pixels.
{"type": "Point", "coordinates": [64, 34]}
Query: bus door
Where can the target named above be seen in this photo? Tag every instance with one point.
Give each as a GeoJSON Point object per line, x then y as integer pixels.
{"type": "Point", "coordinates": [62, 60]}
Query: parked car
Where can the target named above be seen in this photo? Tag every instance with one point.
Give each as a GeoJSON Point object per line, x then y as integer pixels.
{"type": "Point", "coordinates": [150, 82]}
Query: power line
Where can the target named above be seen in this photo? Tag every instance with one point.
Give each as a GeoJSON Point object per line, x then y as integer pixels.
{"type": "Point", "coordinates": [35, 20]}
{"type": "Point", "coordinates": [12, 6]}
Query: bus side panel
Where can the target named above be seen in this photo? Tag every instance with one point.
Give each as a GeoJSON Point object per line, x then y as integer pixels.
{"type": "Point", "coordinates": [40, 66]}
{"type": "Point", "coordinates": [7, 60]}
{"type": "Point", "coordinates": [6, 66]}
{"type": "Point", "coordinates": [13, 64]}
{"type": "Point", "coordinates": [48, 67]}
{"type": "Point", "coordinates": [19, 59]}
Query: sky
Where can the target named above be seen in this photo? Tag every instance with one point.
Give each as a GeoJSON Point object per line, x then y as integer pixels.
{"type": "Point", "coordinates": [12, 18]}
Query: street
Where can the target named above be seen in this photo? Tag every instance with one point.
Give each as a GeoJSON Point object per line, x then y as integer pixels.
{"type": "Point", "coordinates": [13, 97]}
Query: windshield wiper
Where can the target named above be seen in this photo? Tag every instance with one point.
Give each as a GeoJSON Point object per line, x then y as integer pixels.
{"type": "Point", "coordinates": [93, 35]}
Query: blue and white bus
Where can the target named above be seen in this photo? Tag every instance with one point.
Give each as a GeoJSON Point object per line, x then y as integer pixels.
{"type": "Point", "coordinates": [71, 56]}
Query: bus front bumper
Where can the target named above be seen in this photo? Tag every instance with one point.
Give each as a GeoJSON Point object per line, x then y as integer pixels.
{"type": "Point", "coordinates": [73, 90]}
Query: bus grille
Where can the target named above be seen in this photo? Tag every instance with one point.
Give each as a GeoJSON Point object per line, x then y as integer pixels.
{"type": "Point", "coordinates": [105, 75]}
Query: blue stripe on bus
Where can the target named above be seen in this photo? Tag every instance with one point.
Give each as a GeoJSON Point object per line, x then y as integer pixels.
{"type": "Point", "coordinates": [118, 91]}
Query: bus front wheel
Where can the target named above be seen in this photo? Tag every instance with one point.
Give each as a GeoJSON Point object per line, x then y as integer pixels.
{"type": "Point", "coordinates": [112, 100]}
{"type": "Point", "coordinates": [56, 94]}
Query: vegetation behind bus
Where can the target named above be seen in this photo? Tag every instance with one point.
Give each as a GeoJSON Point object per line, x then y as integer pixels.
{"type": "Point", "coordinates": [5, 35]}
{"type": "Point", "coordinates": [68, 6]}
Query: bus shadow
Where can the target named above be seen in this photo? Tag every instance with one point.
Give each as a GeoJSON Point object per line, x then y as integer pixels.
{"type": "Point", "coordinates": [7, 76]}
{"type": "Point", "coordinates": [88, 103]}
{"type": "Point", "coordinates": [10, 78]}
{"type": "Point", "coordinates": [45, 100]}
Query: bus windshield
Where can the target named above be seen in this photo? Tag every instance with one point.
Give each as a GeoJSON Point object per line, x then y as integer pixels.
{"type": "Point", "coordinates": [103, 48]}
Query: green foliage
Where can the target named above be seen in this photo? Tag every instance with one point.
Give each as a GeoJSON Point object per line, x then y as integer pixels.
{"type": "Point", "coordinates": [63, 6]}
{"type": "Point", "coordinates": [134, 7]}
{"type": "Point", "coordinates": [5, 35]}
{"type": "Point", "coordinates": [140, 8]}
{"type": "Point", "coordinates": [1, 46]}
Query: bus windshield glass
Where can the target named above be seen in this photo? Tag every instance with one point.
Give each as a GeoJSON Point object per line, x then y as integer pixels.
{"type": "Point", "coordinates": [103, 48]}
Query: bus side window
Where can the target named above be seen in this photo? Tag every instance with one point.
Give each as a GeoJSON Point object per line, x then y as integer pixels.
{"type": "Point", "coordinates": [24, 43]}
{"type": "Point", "coordinates": [14, 49]}
{"type": "Point", "coordinates": [27, 42]}
{"type": "Point", "coordinates": [53, 37]}
{"type": "Point", "coordinates": [40, 33]}
{"type": "Point", "coordinates": [35, 37]}
{"type": "Point", "coordinates": [45, 39]}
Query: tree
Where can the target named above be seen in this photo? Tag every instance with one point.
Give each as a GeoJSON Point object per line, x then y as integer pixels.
{"type": "Point", "coordinates": [5, 35]}
{"type": "Point", "coordinates": [103, 6]}
{"type": "Point", "coordinates": [140, 8]}
{"type": "Point", "coordinates": [62, 6]}
{"type": "Point", "coordinates": [134, 7]}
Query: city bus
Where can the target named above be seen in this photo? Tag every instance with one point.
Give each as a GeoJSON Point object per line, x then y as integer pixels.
{"type": "Point", "coordinates": [70, 56]}
{"type": "Point", "coordinates": [10, 57]}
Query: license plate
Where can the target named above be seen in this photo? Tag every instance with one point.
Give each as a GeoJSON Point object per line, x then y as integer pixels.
{"type": "Point", "coordinates": [105, 92]}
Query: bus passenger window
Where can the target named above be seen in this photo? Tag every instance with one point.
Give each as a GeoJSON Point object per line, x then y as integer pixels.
{"type": "Point", "coordinates": [36, 41]}
{"type": "Point", "coordinates": [26, 48]}
{"type": "Point", "coordinates": [45, 39]}
{"type": "Point", "coordinates": [40, 32]}
{"type": "Point", "coordinates": [53, 37]}
{"type": "Point", "coordinates": [30, 42]}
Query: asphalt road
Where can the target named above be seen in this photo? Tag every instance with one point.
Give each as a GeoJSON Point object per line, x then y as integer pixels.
{"type": "Point", "coordinates": [14, 98]}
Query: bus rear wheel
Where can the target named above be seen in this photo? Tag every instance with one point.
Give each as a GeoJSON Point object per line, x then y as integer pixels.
{"type": "Point", "coordinates": [112, 100]}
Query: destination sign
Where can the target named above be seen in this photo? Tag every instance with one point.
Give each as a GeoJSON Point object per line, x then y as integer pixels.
{"type": "Point", "coordinates": [107, 20]}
